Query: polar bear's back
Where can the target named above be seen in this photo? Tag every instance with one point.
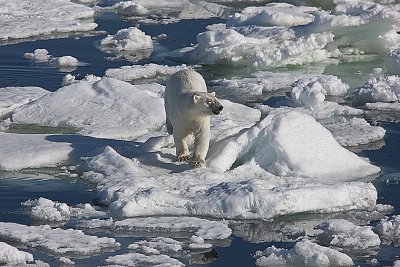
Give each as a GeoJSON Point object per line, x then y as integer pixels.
{"type": "Point", "coordinates": [186, 80]}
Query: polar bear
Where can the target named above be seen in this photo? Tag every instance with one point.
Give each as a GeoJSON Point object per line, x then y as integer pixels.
{"type": "Point", "coordinates": [188, 108]}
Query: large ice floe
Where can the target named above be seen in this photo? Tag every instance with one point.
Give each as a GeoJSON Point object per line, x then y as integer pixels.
{"type": "Point", "coordinates": [26, 19]}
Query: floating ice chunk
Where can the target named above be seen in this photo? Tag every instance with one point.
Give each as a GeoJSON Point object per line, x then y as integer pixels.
{"type": "Point", "coordinates": [304, 253]}
{"type": "Point", "coordinates": [197, 242]}
{"type": "Point", "coordinates": [14, 97]}
{"type": "Point", "coordinates": [12, 256]}
{"type": "Point", "coordinates": [57, 241]}
{"type": "Point", "coordinates": [383, 106]}
{"type": "Point", "coordinates": [309, 95]}
{"type": "Point", "coordinates": [27, 19]}
{"type": "Point", "coordinates": [342, 233]}
{"type": "Point", "coordinates": [329, 109]}
{"type": "Point", "coordinates": [96, 108]}
{"type": "Point", "coordinates": [330, 84]}
{"type": "Point", "coordinates": [389, 229]}
{"type": "Point", "coordinates": [130, 8]}
{"type": "Point", "coordinates": [273, 14]}
{"type": "Point", "coordinates": [148, 71]}
{"type": "Point", "coordinates": [66, 261]}
{"type": "Point", "coordinates": [392, 61]}
{"type": "Point", "coordinates": [269, 48]}
{"type": "Point", "coordinates": [379, 89]}
{"type": "Point", "coordinates": [127, 40]}
{"type": "Point", "coordinates": [137, 259]}
{"type": "Point", "coordinates": [355, 131]}
{"type": "Point", "coordinates": [70, 79]}
{"type": "Point", "coordinates": [66, 61]}
{"type": "Point", "coordinates": [157, 245]}
{"type": "Point", "coordinates": [39, 55]}
{"type": "Point", "coordinates": [46, 210]}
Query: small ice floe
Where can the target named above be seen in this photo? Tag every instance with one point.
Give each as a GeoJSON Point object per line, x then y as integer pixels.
{"type": "Point", "coordinates": [47, 210]}
{"type": "Point", "coordinates": [138, 259]}
{"type": "Point", "coordinates": [57, 241]}
{"type": "Point", "coordinates": [39, 19]}
{"type": "Point", "coordinates": [66, 261]}
{"type": "Point", "coordinates": [149, 71]}
{"type": "Point", "coordinates": [345, 234]}
{"type": "Point", "coordinates": [64, 63]}
{"type": "Point", "coordinates": [389, 229]}
{"type": "Point", "coordinates": [202, 228]}
{"type": "Point", "coordinates": [14, 97]}
{"type": "Point", "coordinates": [70, 79]}
{"type": "Point", "coordinates": [304, 253]}
{"type": "Point", "coordinates": [12, 256]}
{"type": "Point", "coordinates": [273, 14]}
{"type": "Point", "coordinates": [131, 43]}
{"type": "Point", "coordinates": [130, 8]}
{"type": "Point", "coordinates": [392, 61]}
{"type": "Point", "coordinates": [157, 245]}
{"type": "Point", "coordinates": [378, 89]}
{"type": "Point", "coordinates": [355, 131]}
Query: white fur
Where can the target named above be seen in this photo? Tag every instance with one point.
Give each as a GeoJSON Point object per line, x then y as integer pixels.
{"type": "Point", "coordinates": [188, 113]}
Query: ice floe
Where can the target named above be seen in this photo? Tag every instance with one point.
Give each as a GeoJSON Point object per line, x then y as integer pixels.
{"type": "Point", "coordinates": [141, 72]}
{"type": "Point", "coordinates": [10, 255]}
{"type": "Point", "coordinates": [130, 8]}
{"type": "Point", "coordinates": [14, 97]}
{"type": "Point", "coordinates": [392, 61]}
{"type": "Point", "coordinates": [26, 19]}
{"type": "Point", "coordinates": [138, 259]}
{"type": "Point", "coordinates": [57, 241]}
{"type": "Point", "coordinates": [342, 233]}
{"type": "Point", "coordinates": [128, 40]}
{"type": "Point", "coordinates": [304, 253]}
{"type": "Point", "coordinates": [65, 63]}
{"type": "Point", "coordinates": [47, 210]}
{"type": "Point", "coordinates": [389, 229]}
{"type": "Point", "coordinates": [273, 14]}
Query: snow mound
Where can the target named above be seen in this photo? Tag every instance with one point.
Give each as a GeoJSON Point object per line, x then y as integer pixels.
{"type": "Point", "coordinates": [10, 255]}
{"type": "Point", "coordinates": [128, 40]}
{"type": "Point", "coordinates": [379, 89]}
{"type": "Point", "coordinates": [304, 253]}
{"type": "Point", "coordinates": [57, 241]}
{"type": "Point", "coordinates": [27, 19]}
{"type": "Point", "coordinates": [206, 229]}
{"type": "Point", "coordinates": [273, 14]}
{"type": "Point", "coordinates": [148, 71]}
{"type": "Point", "coordinates": [39, 55]}
{"type": "Point", "coordinates": [355, 131]}
{"type": "Point", "coordinates": [76, 105]}
{"type": "Point", "coordinates": [342, 233]}
{"type": "Point", "coordinates": [46, 210]}
{"type": "Point", "coordinates": [14, 97]}
{"type": "Point", "coordinates": [130, 8]}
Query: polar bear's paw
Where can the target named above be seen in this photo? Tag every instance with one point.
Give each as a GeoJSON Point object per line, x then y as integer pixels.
{"type": "Point", "coordinates": [182, 158]}
{"type": "Point", "coordinates": [197, 163]}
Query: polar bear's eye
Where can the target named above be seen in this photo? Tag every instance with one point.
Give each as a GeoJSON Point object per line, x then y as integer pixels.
{"type": "Point", "coordinates": [208, 101]}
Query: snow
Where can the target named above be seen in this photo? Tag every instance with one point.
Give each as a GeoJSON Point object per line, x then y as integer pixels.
{"type": "Point", "coordinates": [130, 8]}
{"type": "Point", "coordinates": [27, 19]}
{"type": "Point", "coordinates": [137, 259]}
{"type": "Point", "coordinates": [273, 14]}
{"type": "Point", "coordinates": [40, 55]}
{"type": "Point", "coordinates": [355, 131]}
{"type": "Point", "coordinates": [10, 255]}
{"type": "Point", "coordinates": [66, 61]}
{"type": "Point", "coordinates": [57, 241]}
{"type": "Point", "coordinates": [14, 97]}
{"type": "Point", "coordinates": [202, 228]}
{"type": "Point", "coordinates": [47, 210]}
{"type": "Point", "coordinates": [139, 72]}
{"type": "Point", "coordinates": [129, 39]}
{"type": "Point", "coordinates": [389, 229]}
{"type": "Point", "coordinates": [342, 233]}
{"type": "Point", "coordinates": [304, 253]}
{"type": "Point", "coordinates": [157, 245]}
{"type": "Point", "coordinates": [78, 104]}
{"type": "Point", "coordinates": [379, 89]}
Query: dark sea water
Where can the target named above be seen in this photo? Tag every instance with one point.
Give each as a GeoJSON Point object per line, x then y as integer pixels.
{"type": "Point", "coordinates": [17, 187]}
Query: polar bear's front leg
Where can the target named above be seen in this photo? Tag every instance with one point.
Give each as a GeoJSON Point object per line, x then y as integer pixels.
{"type": "Point", "coordinates": [201, 133]}
{"type": "Point", "coordinates": [182, 151]}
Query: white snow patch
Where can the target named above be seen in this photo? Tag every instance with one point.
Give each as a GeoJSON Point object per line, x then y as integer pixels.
{"type": "Point", "coordinates": [148, 71]}
{"type": "Point", "coordinates": [342, 233]}
{"type": "Point", "coordinates": [128, 40]}
{"type": "Point", "coordinates": [157, 245]}
{"type": "Point", "coordinates": [10, 255]}
{"type": "Point", "coordinates": [57, 241]}
{"type": "Point", "coordinates": [137, 259]}
{"type": "Point", "coordinates": [304, 253]}
{"type": "Point", "coordinates": [14, 97]}
{"type": "Point", "coordinates": [131, 8]}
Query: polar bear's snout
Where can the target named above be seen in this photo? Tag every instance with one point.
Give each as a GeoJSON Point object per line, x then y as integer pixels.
{"type": "Point", "coordinates": [217, 108]}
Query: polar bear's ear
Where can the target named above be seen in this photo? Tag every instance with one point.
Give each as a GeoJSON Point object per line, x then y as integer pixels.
{"type": "Point", "coordinates": [212, 93]}
{"type": "Point", "coordinates": [196, 98]}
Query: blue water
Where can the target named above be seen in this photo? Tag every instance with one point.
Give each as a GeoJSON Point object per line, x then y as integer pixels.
{"type": "Point", "coordinates": [31, 184]}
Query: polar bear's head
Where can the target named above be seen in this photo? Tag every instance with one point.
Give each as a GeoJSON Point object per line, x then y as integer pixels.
{"type": "Point", "coordinates": [207, 103]}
